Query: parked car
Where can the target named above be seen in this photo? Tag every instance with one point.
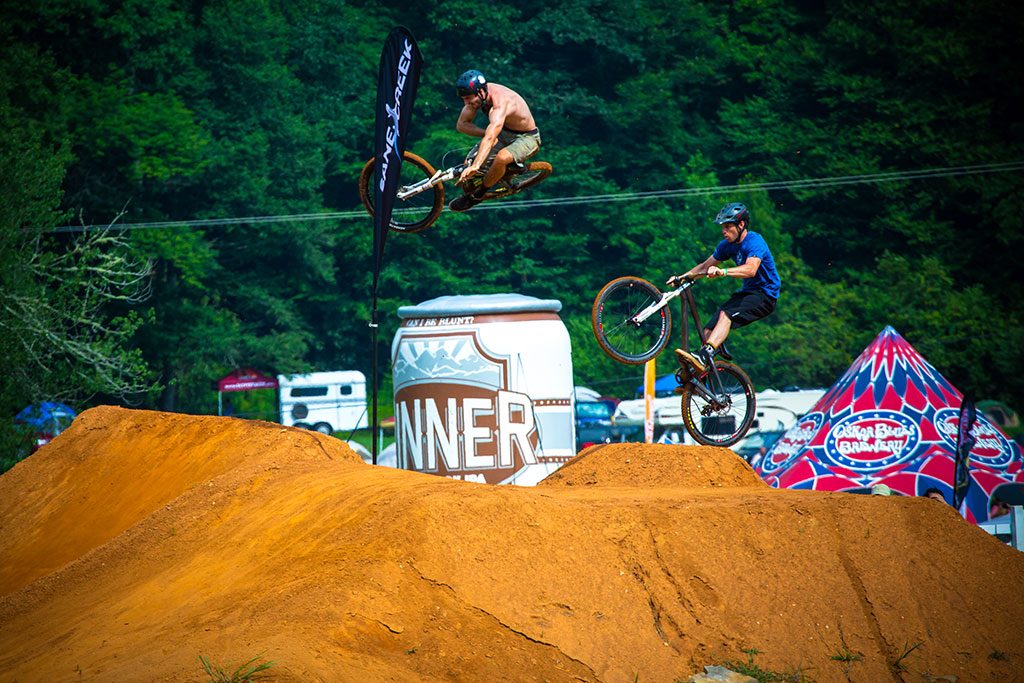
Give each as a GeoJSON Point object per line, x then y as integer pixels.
{"type": "Point", "coordinates": [750, 447]}
{"type": "Point", "coordinates": [594, 424]}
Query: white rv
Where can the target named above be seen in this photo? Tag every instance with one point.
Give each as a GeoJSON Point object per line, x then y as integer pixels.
{"type": "Point", "coordinates": [777, 411]}
{"type": "Point", "coordinates": [325, 401]}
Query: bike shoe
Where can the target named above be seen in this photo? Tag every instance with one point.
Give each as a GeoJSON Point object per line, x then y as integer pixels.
{"type": "Point", "coordinates": [692, 359]}
{"type": "Point", "coordinates": [464, 202]}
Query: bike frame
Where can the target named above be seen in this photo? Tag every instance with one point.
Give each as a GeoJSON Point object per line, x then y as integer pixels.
{"type": "Point", "coordinates": [441, 176]}
{"type": "Point", "coordinates": [684, 292]}
{"type": "Point", "coordinates": [447, 174]}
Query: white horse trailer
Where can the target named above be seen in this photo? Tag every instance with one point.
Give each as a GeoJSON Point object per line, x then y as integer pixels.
{"type": "Point", "coordinates": [325, 401]}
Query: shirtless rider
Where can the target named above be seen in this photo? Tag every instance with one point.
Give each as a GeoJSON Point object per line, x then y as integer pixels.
{"type": "Point", "coordinates": [511, 132]}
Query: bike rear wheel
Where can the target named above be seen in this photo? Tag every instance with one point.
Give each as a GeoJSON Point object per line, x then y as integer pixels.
{"type": "Point", "coordinates": [614, 308]}
{"type": "Point", "coordinates": [714, 423]}
{"type": "Point", "coordinates": [416, 212]}
{"type": "Point", "coordinates": [536, 171]}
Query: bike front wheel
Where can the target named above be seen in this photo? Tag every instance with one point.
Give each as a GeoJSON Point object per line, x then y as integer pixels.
{"type": "Point", "coordinates": [719, 414]}
{"type": "Point", "coordinates": [417, 211]}
{"type": "Point", "coordinates": [618, 334]}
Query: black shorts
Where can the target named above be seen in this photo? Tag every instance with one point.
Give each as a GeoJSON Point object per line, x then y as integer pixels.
{"type": "Point", "coordinates": [744, 308]}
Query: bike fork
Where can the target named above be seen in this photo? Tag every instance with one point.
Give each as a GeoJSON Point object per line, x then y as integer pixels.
{"type": "Point", "coordinates": [407, 191]}
{"type": "Point", "coordinates": [711, 390]}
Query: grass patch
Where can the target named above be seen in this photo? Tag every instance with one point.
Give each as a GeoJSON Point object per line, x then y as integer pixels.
{"type": "Point", "coordinates": [898, 666]}
{"type": "Point", "coordinates": [846, 658]}
{"type": "Point", "coordinates": [750, 668]}
{"type": "Point", "coordinates": [245, 672]}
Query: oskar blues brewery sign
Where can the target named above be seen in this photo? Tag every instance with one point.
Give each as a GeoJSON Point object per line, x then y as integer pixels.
{"type": "Point", "coordinates": [990, 448]}
{"type": "Point", "coordinates": [792, 442]}
{"type": "Point", "coordinates": [483, 396]}
{"type": "Point", "coordinates": [872, 440]}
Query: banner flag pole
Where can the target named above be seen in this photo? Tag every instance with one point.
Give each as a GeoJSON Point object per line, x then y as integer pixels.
{"type": "Point", "coordinates": [397, 81]}
{"type": "Point", "coordinates": [965, 440]}
{"type": "Point", "coordinates": [649, 380]}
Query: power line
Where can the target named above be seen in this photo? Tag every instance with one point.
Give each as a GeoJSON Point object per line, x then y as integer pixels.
{"type": "Point", "coordinates": [792, 185]}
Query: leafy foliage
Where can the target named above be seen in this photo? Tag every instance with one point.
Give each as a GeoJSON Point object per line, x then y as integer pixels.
{"type": "Point", "coordinates": [186, 111]}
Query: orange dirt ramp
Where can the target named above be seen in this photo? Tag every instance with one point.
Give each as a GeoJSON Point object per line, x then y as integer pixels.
{"type": "Point", "coordinates": [138, 541]}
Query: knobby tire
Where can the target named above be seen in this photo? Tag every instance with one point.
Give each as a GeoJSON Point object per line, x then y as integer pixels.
{"type": "Point", "coordinates": [419, 211]}
{"type": "Point", "coordinates": [720, 428]}
{"type": "Point", "coordinates": [615, 304]}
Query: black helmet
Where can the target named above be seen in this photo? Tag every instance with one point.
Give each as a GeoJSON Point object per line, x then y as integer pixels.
{"type": "Point", "coordinates": [733, 213]}
{"type": "Point", "coordinates": [471, 83]}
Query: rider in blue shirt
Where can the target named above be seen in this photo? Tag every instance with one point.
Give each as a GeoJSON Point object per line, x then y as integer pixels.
{"type": "Point", "coordinates": [754, 265]}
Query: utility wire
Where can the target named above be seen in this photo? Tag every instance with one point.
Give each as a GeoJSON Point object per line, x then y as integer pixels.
{"type": "Point", "coordinates": [792, 185]}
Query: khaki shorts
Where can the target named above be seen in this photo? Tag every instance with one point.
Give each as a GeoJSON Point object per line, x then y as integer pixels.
{"type": "Point", "coordinates": [521, 146]}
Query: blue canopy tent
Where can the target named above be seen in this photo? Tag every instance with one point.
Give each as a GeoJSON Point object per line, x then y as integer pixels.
{"type": "Point", "coordinates": [663, 386]}
{"type": "Point", "coordinates": [46, 416]}
{"type": "Point", "coordinates": [46, 419]}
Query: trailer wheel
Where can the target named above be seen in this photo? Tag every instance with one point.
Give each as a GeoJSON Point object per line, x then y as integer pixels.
{"type": "Point", "coordinates": [323, 428]}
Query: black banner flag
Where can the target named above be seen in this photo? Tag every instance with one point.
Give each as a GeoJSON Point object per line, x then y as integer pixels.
{"type": "Point", "coordinates": [964, 443]}
{"type": "Point", "coordinates": [397, 82]}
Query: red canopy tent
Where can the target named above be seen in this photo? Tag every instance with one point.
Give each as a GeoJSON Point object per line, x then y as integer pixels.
{"type": "Point", "coordinates": [891, 419]}
{"type": "Point", "coordinates": [242, 380]}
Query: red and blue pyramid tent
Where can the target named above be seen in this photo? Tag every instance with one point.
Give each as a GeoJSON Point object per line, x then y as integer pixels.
{"type": "Point", "coordinates": [891, 419]}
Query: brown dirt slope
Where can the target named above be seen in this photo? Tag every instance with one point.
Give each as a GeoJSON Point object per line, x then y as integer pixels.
{"type": "Point", "coordinates": [137, 541]}
{"type": "Point", "coordinates": [640, 465]}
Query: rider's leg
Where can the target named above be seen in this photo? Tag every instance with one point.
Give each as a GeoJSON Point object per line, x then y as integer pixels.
{"type": "Point", "coordinates": [720, 331]}
{"type": "Point", "coordinates": [513, 148]}
{"type": "Point", "coordinates": [497, 171]}
{"type": "Point", "coordinates": [741, 309]}
{"type": "Point", "coordinates": [715, 333]}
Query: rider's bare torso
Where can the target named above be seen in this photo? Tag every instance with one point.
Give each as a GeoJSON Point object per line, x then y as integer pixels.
{"type": "Point", "coordinates": [503, 105]}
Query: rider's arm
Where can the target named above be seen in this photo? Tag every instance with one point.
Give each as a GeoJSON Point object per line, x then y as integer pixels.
{"type": "Point", "coordinates": [490, 136]}
{"type": "Point", "coordinates": [697, 272]}
{"type": "Point", "coordinates": [465, 123]}
{"type": "Point", "coordinates": [701, 269]}
{"type": "Point", "coordinates": [748, 269]}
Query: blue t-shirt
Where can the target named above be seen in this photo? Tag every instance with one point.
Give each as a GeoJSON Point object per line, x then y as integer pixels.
{"type": "Point", "coordinates": [767, 278]}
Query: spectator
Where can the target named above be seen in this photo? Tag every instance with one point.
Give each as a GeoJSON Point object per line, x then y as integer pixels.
{"type": "Point", "coordinates": [998, 508]}
{"type": "Point", "coordinates": [935, 493]}
{"type": "Point", "coordinates": [881, 490]}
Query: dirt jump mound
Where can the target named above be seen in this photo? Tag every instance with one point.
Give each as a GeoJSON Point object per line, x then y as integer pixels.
{"type": "Point", "coordinates": [641, 465]}
{"type": "Point", "coordinates": [137, 542]}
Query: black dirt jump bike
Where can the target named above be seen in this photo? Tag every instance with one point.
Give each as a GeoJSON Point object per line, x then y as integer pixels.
{"type": "Point", "coordinates": [633, 323]}
{"type": "Point", "coordinates": [420, 197]}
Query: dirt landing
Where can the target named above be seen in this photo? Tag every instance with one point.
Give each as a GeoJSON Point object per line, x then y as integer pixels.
{"type": "Point", "coordinates": [137, 541]}
{"type": "Point", "coordinates": [641, 466]}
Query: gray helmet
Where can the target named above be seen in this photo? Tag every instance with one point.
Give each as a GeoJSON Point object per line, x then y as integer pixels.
{"type": "Point", "coordinates": [471, 82]}
{"type": "Point", "coordinates": [733, 213]}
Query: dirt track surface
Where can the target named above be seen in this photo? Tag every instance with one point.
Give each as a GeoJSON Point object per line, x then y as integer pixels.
{"type": "Point", "coordinates": [137, 541]}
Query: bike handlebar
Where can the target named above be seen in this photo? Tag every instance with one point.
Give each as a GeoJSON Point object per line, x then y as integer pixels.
{"type": "Point", "coordinates": [679, 281]}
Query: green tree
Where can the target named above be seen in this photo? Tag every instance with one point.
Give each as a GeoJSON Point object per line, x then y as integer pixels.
{"type": "Point", "coordinates": [61, 339]}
